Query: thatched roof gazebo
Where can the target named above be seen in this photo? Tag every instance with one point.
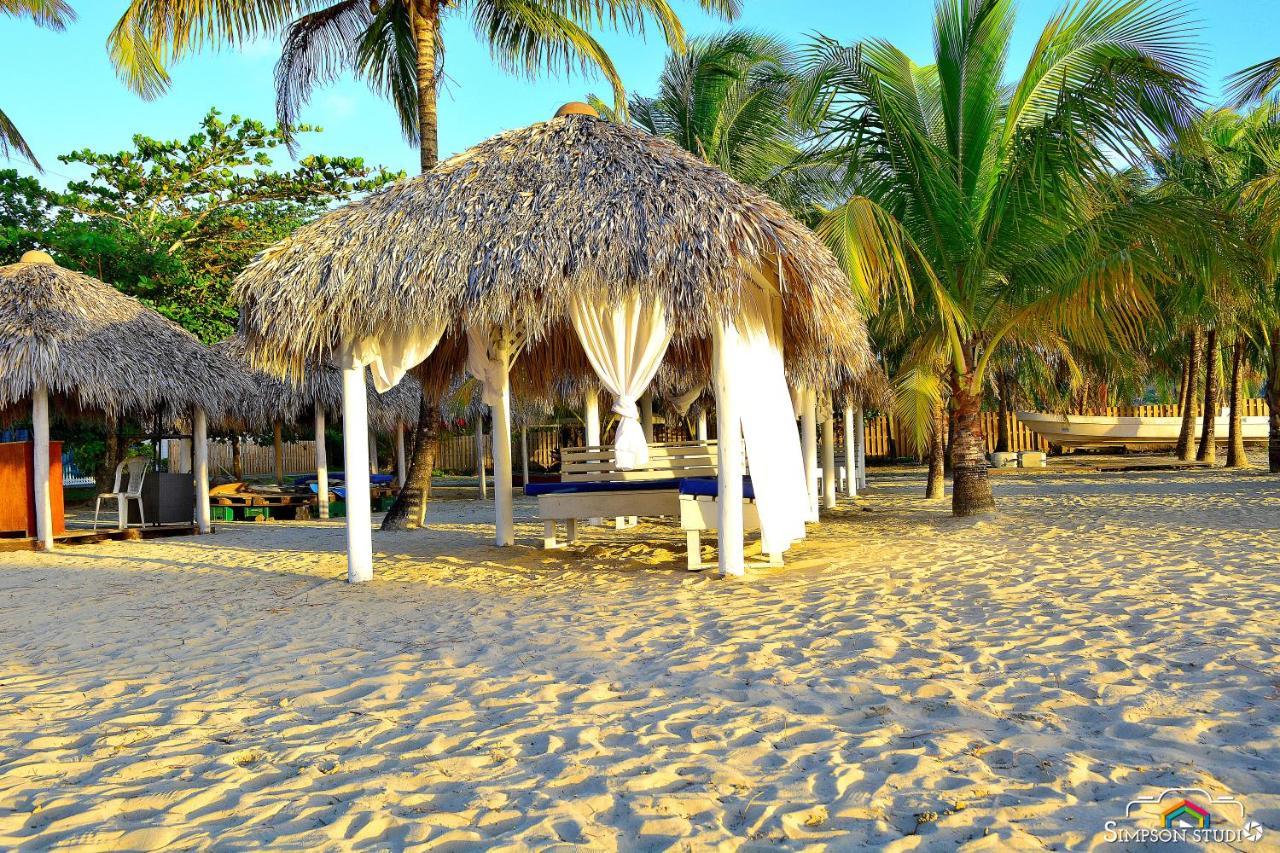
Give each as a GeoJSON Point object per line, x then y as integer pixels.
{"type": "Point", "coordinates": [583, 237]}
{"type": "Point", "coordinates": [89, 347]}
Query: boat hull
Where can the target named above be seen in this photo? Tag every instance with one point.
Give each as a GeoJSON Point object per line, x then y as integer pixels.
{"type": "Point", "coordinates": [1103, 431]}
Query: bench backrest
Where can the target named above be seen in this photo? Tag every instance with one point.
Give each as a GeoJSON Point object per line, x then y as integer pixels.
{"type": "Point", "coordinates": [666, 461]}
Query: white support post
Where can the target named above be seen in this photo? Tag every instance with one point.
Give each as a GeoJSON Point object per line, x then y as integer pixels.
{"type": "Point", "coordinates": [591, 418]}
{"type": "Point", "coordinates": [809, 443]}
{"type": "Point", "coordinates": [860, 429]}
{"type": "Point", "coordinates": [732, 562]}
{"type": "Point", "coordinates": [505, 528]}
{"type": "Point", "coordinates": [40, 464]}
{"type": "Point", "coordinates": [402, 464]}
{"type": "Point", "coordinates": [850, 453]}
{"type": "Point", "coordinates": [479, 451]}
{"type": "Point", "coordinates": [200, 468]}
{"type": "Point", "coordinates": [702, 425]}
{"type": "Point", "coordinates": [828, 454]}
{"type": "Point", "coordinates": [646, 415]}
{"type": "Point", "coordinates": [355, 453]}
{"type": "Point", "coordinates": [524, 455]}
{"type": "Point", "coordinates": [322, 465]}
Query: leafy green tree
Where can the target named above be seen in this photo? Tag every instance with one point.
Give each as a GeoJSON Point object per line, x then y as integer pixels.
{"type": "Point", "coordinates": [990, 193]}
{"type": "Point", "coordinates": [172, 222]}
{"type": "Point", "coordinates": [54, 14]}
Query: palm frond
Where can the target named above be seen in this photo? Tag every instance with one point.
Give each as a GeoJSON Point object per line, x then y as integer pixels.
{"type": "Point", "coordinates": [53, 14]}
{"type": "Point", "coordinates": [11, 141]}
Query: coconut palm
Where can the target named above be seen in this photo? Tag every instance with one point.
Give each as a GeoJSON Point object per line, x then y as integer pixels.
{"type": "Point", "coordinates": [54, 14]}
{"type": "Point", "coordinates": [397, 47]}
{"type": "Point", "coordinates": [996, 196]}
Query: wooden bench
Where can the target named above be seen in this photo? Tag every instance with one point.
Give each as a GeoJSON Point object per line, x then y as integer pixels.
{"type": "Point", "coordinates": [592, 486]}
{"type": "Point", "coordinates": [700, 510]}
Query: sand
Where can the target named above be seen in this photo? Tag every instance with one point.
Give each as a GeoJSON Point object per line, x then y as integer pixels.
{"type": "Point", "coordinates": [908, 681]}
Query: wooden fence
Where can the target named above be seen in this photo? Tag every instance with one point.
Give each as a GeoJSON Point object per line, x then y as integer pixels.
{"type": "Point", "coordinates": [256, 459]}
{"type": "Point", "coordinates": [457, 452]}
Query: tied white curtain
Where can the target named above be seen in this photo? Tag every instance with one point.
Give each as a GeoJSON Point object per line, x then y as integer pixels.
{"type": "Point", "coordinates": [768, 428]}
{"type": "Point", "coordinates": [483, 366]}
{"type": "Point", "coordinates": [680, 405]}
{"type": "Point", "coordinates": [625, 343]}
{"type": "Point", "coordinates": [391, 355]}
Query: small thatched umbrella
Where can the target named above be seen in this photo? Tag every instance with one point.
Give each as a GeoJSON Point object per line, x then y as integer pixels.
{"type": "Point", "coordinates": [575, 225]}
{"type": "Point", "coordinates": [89, 346]}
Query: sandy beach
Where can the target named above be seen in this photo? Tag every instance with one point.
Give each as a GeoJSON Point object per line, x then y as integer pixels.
{"type": "Point", "coordinates": [908, 681]}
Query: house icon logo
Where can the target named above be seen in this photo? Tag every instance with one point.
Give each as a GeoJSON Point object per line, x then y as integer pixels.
{"type": "Point", "coordinates": [1185, 815]}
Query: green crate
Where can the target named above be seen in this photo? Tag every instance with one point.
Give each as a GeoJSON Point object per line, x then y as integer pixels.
{"type": "Point", "coordinates": [222, 513]}
{"type": "Point", "coordinates": [337, 509]}
{"type": "Point", "coordinates": [384, 503]}
{"type": "Point", "coordinates": [252, 512]}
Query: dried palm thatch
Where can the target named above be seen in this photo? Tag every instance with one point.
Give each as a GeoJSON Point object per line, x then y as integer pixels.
{"type": "Point", "coordinates": [288, 401]}
{"type": "Point", "coordinates": [100, 350]}
{"type": "Point", "coordinates": [509, 231]}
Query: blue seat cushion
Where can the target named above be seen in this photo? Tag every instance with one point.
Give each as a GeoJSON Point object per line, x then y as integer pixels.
{"type": "Point", "coordinates": [709, 488]}
{"type": "Point", "coordinates": [534, 489]}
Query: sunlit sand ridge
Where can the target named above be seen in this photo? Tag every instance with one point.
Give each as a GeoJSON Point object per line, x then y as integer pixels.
{"type": "Point", "coordinates": [907, 680]}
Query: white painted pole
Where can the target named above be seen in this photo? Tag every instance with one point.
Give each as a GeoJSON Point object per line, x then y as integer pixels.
{"type": "Point", "coordinates": [40, 463]}
{"type": "Point", "coordinates": [850, 453]}
{"type": "Point", "coordinates": [200, 468]}
{"type": "Point", "coordinates": [591, 418]}
{"type": "Point", "coordinates": [355, 456]}
{"type": "Point", "coordinates": [828, 453]}
{"type": "Point", "coordinates": [809, 443]}
{"type": "Point", "coordinates": [702, 425]}
{"type": "Point", "coordinates": [646, 415]}
{"type": "Point", "coordinates": [322, 465]}
{"type": "Point", "coordinates": [479, 451]}
{"type": "Point", "coordinates": [505, 529]}
{"type": "Point", "coordinates": [732, 563]}
{"type": "Point", "coordinates": [860, 430]}
{"type": "Point", "coordinates": [402, 465]}
{"type": "Point", "coordinates": [524, 455]}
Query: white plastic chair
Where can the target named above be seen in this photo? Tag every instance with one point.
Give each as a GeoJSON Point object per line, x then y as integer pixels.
{"type": "Point", "coordinates": [137, 467]}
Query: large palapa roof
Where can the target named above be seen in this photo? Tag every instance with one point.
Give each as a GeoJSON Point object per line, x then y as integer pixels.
{"type": "Point", "coordinates": [508, 232]}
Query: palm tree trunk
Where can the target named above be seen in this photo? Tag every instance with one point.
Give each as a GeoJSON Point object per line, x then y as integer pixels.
{"type": "Point", "coordinates": [970, 485]}
{"type": "Point", "coordinates": [237, 459]}
{"type": "Point", "coordinates": [936, 487]}
{"type": "Point", "coordinates": [1236, 457]}
{"type": "Point", "coordinates": [1208, 451]}
{"type": "Point", "coordinates": [409, 511]}
{"type": "Point", "coordinates": [1273, 405]}
{"type": "Point", "coordinates": [1186, 436]}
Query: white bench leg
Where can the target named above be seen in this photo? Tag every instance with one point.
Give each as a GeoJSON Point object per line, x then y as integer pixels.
{"type": "Point", "coordinates": [620, 522]}
{"type": "Point", "coordinates": [549, 535]}
{"type": "Point", "coordinates": [775, 559]}
{"type": "Point", "coordinates": [571, 530]}
{"type": "Point", "coordinates": [693, 540]}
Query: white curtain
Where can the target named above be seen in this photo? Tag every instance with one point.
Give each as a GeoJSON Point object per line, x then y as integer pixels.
{"type": "Point", "coordinates": [391, 355]}
{"type": "Point", "coordinates": [680, 405]}
{"type": "Point", "coordinates": [483, 366]}
{"type": "Point", "coordinates": [769, 427]}
{"type": "Point", "coordinates": [625, 342]}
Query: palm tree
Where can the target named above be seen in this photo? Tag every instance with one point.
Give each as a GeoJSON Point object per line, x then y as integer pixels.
{"type": "Point", "coordinates": [997, 195]}
{"type": "Point", "coordinates": [54, 14]}
{"type": "Point", "coordinates": [397, 47]}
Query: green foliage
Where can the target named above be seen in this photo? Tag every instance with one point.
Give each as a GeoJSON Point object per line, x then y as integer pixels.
{"type": "Point", "coordinates": [172, 222]}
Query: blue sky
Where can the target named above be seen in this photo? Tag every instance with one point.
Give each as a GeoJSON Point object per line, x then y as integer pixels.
{"type": "Point", "coordinates": [63, 94]}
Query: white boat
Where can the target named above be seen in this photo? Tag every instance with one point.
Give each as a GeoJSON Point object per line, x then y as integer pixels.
{"type": "Point", "coordinates": [1103, 431]}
